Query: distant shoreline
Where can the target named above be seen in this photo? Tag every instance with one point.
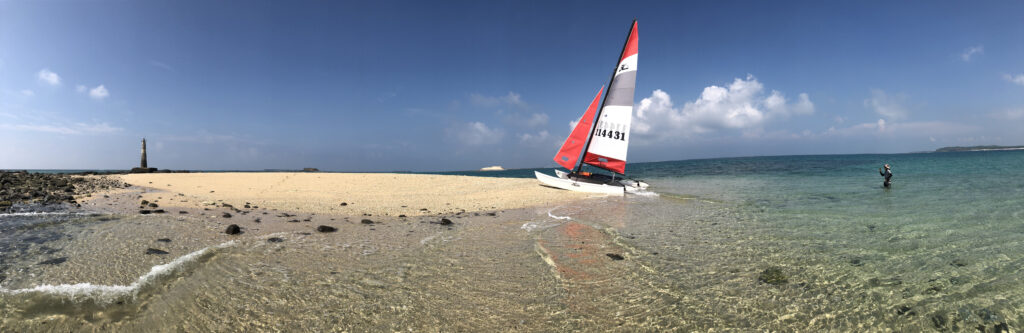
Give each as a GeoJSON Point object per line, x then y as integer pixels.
{"type": "Point", "coordinates": [977, 148]}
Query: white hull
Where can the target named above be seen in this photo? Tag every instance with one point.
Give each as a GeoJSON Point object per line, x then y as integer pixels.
{"type": "Point", "coordinates": [572, 185]}
{"type": "Point", "coordinates": [631, 185]}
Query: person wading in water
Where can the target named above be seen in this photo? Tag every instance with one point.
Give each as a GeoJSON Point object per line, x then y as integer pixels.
{"type": "Point", "coordinates": [887, 173]}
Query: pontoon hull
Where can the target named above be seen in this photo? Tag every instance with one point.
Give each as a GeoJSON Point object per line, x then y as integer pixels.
{"type": "Point", "coordinates": [572, 185]}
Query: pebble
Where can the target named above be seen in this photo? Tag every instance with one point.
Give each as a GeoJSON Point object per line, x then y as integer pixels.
{"type": "Point", "coordinates": [325, 228]}
{"type": "Point", "coordinates": [233, 230]}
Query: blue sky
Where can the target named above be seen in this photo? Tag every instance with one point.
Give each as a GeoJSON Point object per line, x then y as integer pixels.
{"type": "Point", "coordinates": [423, 86]}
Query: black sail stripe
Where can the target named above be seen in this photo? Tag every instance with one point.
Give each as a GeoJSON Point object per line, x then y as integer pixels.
{"type": "Point", "coordinates": [621, 91]}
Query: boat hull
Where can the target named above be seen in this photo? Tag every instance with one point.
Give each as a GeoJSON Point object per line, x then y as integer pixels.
{"type": "Point", "coordinates": [631, 185]}
{"type": "Point", "coordinates": [578, 186]}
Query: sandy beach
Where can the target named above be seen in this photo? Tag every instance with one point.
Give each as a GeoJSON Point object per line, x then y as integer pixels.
{"type": "Point", "coordinates": [378, 194]}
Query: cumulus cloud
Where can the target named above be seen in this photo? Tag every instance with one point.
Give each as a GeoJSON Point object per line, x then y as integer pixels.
{"type": "Point", "coordinates": [48, 77]}
{"type": "Point", "coordinates": [475, 134]}
{"type": "Point", "coordinates": [1017, 79]}
{"type": "Point", "coordinates": [99, 93]}
{"type": "Point", "coordinates": [885, 105]}
{"type": "Point", "coordinates": [971, 52]}
{"type": "Point", "coordinates": [742, 105]}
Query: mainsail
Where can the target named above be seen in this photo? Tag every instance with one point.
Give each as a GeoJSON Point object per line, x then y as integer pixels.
{"type": "Point", "coordinates": [610, 138]}
{"type": "Point", "coordinates": [573, 146]}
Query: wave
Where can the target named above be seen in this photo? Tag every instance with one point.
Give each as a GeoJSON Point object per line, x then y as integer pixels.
{"type": "Point", "coordinates": [645, 193]}
{"type": "Point", "coordinates": [558, 217]}
{"type": "Point", "coordinates": [106, 294]}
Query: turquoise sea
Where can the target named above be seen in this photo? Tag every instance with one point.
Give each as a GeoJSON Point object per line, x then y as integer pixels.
{"type": "Point", "coordinates": [783, 243]}
{"type": "Point", "coordinates": [942, 249]}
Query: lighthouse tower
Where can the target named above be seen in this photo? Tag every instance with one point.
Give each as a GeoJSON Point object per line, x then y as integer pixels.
{"type": "Point", "coordinates": [143, 165]}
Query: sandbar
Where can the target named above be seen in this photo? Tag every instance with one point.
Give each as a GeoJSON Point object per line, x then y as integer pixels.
{"type": "Point", "coordinates": [379, 194]}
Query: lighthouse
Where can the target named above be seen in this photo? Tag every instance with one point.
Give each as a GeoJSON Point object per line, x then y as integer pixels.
{"type": "Point", "coordinates": [143, 164]}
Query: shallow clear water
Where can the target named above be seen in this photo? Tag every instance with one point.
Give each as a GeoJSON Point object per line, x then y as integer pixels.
{"type": "Point", "coordinates": [940, 250]}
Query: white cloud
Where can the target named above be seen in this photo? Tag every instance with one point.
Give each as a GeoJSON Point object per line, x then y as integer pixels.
{"type": "Point", "coordinates": [741, 105]}
{"type": "Point", "coordinates": [78, 128]}
{"type": "Point", "coordinates": [161, 65]}
{"type": "Point", "coordinates": [510, 99]}
{"type": "Point", "coordinates": [80, 88]}
{"type": "Point", "coordinates": [475, 134]}
{"type": "Point", "coordinates": [972, 51]}
{"type": "Point", "coordinates": [99, 93]}
{"type": "Point", "coordinates": [888, 106]}
{"type": "Point", "coordinates": [48, 77]}
{"type": "Point", "coordinates": [537, 119]}
{"type": "Point", "coordinates": [925, 129]}
{"type": "Point", "coordinates": [27, 93]}
{"type": "Point", "coordinates": [539, 137]}
{"type": "Point", "coordinates": [1011, 114]}
{"type": "Point", "coordinates": [1017, 79]}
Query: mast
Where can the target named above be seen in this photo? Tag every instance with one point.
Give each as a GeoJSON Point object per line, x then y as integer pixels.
{"type": "Point", "coordinates": [590, 134]}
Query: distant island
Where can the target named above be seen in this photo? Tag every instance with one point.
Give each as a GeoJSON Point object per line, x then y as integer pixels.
{"type": "Point", "coordinates": [977, 148]}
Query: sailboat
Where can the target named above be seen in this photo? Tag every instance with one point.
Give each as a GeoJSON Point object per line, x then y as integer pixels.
{"type": "Point", "coordinates": [602, 135]}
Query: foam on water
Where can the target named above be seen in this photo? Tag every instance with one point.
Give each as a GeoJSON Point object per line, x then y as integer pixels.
{"type": "Point", "coordinates": [2, 215]}
{"type": "Point", "coordinates": [557, 217]}
{"type": "Point", "coordinates": [106, 294]}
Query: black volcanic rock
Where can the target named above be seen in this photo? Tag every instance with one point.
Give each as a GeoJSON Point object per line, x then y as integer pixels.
{"type": "Point", "coordinates": [325, 228]}
{"type": "Point", "coordinates": [233, 230]}
{"type": "Point", "coordinates": [443, 221]}
{"type": "Point", "coordinates": [156, 251]}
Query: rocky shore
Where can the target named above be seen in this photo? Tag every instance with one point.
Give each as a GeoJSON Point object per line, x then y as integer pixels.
{"type": "Point", "coordinates": [20, 189]}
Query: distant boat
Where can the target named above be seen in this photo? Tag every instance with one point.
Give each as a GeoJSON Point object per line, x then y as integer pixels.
{"type": "Point", "coordinates": [492, 168]}
{"type": "Point", "coordinates": [602, 139]}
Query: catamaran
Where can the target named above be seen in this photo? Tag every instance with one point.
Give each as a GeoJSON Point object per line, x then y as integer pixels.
{"type": "Point", "coordinates": [602, 139]}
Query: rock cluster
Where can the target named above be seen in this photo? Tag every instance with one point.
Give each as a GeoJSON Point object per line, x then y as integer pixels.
{"type": "Point", "coordinates": [40, 188]}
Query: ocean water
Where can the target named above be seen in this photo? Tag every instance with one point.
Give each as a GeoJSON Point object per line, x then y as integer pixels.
{"type": "Point", "coordinates": [943, 249]}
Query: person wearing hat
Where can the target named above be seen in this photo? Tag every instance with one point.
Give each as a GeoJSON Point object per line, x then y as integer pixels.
{"type": "Point", "coordinates": [887, 174]}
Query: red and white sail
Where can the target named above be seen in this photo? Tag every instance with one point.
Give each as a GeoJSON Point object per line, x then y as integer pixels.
{"type": "Point", "coordinates": [610, 138]}
{"type": "Point", "coordinates": [569, 154]}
